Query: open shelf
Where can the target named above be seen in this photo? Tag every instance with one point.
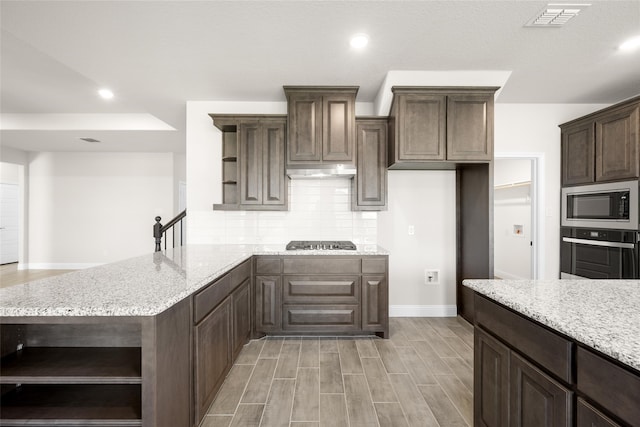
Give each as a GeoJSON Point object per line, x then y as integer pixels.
{"type": "Point", "coordinates": [69, 405]}
{"type": "Point", "coordinates": [72, 365]}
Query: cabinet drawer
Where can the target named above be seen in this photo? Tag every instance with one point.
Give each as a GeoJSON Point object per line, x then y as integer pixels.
{"type": "Point", "coordinates": [265, 265]}
{"type": "Point", "coordinates": [612, 386]}
{"type": "Point", "coordinates": [321, 265]}
{"type": "Point", "coordinates": [207, 299]}
{"type": "Point", "coordinates": [319, 318]}
{"type": "Point", "coordinates": [374, 265]}
{"type": "Point", "coordinates": [322, 289]}
{"type": "Point", "coordinates": [545, 347]}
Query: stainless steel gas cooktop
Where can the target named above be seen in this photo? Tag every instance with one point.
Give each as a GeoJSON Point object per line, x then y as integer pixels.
{"type": "Point", "coordinates": [321, 245]}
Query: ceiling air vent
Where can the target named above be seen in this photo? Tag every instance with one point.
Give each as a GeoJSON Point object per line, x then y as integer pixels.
{"type": "Point", "coordinates": [555, 15]}
{"type": "Point", "coordinates": [91, 140]}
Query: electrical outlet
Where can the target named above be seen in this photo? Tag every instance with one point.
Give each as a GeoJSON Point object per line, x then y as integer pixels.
{"type": "Point", "coordinates": [411, 230]}
{"type": "Point", "coordinates": [431, 277]}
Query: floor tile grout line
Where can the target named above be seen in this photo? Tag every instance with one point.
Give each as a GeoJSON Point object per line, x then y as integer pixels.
{"type": "Point", "coordinates": [271, 387]}
{"type": "Point", "coordinates": [454, 402]}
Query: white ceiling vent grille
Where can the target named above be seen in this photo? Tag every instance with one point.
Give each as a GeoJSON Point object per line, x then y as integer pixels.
{"type": "Point", "coordinates": [555, 15]}
{"type": "Point", "coordinates": [91, 140]}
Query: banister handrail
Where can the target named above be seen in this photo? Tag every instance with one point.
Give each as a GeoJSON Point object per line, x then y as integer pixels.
{"type": "Point", "coordinates": [159, 230]}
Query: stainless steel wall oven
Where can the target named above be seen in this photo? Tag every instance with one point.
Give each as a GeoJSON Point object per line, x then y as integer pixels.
{"type": "Point", "coordinates": [599, 254]}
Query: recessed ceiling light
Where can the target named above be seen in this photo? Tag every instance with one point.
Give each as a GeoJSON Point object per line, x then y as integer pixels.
{"type": "Point", "coordinates": [105, 93]}
{"type": "Point", "coordinates": [630, 45]}
{"type": "Point", "coordinates": [359, 41]}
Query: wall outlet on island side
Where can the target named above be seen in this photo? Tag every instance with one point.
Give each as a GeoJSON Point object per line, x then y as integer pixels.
{"type": "Point", "coordinates": [431, 277]}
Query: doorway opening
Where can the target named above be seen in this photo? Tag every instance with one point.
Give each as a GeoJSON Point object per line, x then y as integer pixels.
{"type": "Point", "coordinates": [516, 207]}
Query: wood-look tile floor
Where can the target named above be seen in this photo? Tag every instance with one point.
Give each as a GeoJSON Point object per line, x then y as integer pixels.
{"type": "Point", "coordinates": [422, 376]}
{"type": "Point", "coordinates": [11, 276]}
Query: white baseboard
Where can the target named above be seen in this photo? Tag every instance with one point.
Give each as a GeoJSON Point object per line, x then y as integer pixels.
{"type": "Point", "coordinates": [508, 276]}
{"type": "Point", "coordinates": [423, 311]}
{"type": "Point", "coordinates": [57, 266]}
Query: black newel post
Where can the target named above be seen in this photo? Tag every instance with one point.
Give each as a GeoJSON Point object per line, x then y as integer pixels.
{"type": "Point", "coordinates": [157, 233]}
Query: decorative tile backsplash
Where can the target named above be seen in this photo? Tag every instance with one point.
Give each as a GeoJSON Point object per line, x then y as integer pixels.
{"type": "Point", "coordinates": [318, 210]}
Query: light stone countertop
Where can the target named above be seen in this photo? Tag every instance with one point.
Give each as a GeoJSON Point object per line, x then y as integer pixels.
{"type": "Point", "coordinates": [142, 286]}
{"type": "Point", "coordinates": [602, 314]}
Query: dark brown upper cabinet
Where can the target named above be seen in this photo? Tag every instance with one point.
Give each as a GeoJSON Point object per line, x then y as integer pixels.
{"type": "Point", "coordinates": [602, 146]}
{"type": "Point", "coordinates": [253, 162]}
{"type": "Point", "coordinates": [617, 136]}
{"type": "Point", "coordinates": [578, 143]}
{"type": "Point", "coordinates": [369, 186]}
{"type": "Point", "coordinates": [321, 125]}
{"type": "Point", "coordinates": [444, 125]}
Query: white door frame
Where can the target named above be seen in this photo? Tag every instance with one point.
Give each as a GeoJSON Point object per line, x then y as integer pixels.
{"type": "Point", "coordinates": [537, 207]}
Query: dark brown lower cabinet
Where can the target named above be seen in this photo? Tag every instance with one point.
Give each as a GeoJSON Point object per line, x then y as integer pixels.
{"type": "Point", "coordinates": [588, 416]}
{"type": "Point", "coordinates": [491, 381]}
{"type": "Point", "coordinates": [322, 294]}
{"type": "Point", "coordinates": [375, 303]}
{"type": "Point", "coordinates": [241, 298]}
{"type": "Point", "coordinates": [536, 399]}
{"type": "Point", "coordinates": [213, 355]}
{"type": "Point", "coordinates": [528, 375]}
{"type": "Point", "coordinates": [510, 391]}
{"type": "Point", "coordinates": [267, 296]}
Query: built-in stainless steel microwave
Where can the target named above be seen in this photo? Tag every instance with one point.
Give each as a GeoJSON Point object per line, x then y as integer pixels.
{"type": "Point", "coordinates": [612, 205]}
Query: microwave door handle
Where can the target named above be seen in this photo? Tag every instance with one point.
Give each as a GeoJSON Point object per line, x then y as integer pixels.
{"type": "Point", "coordinates": [599, 243]}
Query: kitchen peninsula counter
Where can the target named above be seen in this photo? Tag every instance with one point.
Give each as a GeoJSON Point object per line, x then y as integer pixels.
{"type": "Point", "coordinates": [142, 286]}
{"type": "Point", "coordinates": [148, 341]}
{"type": "Point", "coordinates": [577, 342]}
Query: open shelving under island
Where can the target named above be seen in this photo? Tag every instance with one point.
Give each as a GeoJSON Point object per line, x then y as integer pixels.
{"type": "Point", "coordinates": [148, 341]}
{"type": "Point", "coordinates": [558, 353]}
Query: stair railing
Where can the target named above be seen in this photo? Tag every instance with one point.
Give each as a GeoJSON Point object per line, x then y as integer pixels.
{"type": "Point", "coordinates": [159, 230]}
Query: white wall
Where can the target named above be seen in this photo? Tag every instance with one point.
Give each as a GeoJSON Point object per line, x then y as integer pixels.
{"type": "Point", "coordinates": [512, 219]}
{"type": "Point", "coordinates": [179, 175]}
{"type": "Point", "coordinates": [94, 208]}
{"type": "Point", "coordinates": [426, 200]}
{"type": "Point", "coordinates": [318, 209]}
{"type": "Point", "coordinates": [533, 128]}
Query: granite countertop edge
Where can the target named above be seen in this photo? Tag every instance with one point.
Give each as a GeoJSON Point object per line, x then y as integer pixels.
{"type": "Point", "coordinates": [177, 274]}
{"type": "Point", "coordinates": [605, 318]}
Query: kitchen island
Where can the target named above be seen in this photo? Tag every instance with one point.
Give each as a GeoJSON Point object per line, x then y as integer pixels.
{"type": "Point", "coordinates": [556, 352]}
{"type": "Point", "coordinates": [142, 342]}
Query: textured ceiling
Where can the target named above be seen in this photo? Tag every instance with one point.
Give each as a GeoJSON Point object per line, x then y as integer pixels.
{"type": "Point", "coordinates": [157, 55]}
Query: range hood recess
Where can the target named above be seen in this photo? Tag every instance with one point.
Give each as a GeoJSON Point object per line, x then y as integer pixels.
{"type": "Point", "coordinates": [327, 171]}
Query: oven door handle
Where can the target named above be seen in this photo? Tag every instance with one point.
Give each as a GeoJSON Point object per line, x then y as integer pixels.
{"type": "Point", "coordinates": [599, 243]}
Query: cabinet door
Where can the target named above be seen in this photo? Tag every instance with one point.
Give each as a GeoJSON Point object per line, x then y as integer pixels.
{"type": "Point", "coordinates": [268, 303]}
{"type": "Point", "coordinates": [535, 399]}
{"type": "Point", "coordinates": [274, 180]}
{"type": "Point", "coordinates": [338, 134]}
{"type": "Point", "coordinates": [578, 144]}
{"type": "Point", "coordinates": [375, 305]}
{"type": "Point", "coordinates": [370, 183]}
{"type": "Point", "coordinates": [617, 137]}
{"type": "Point", "coordinates": [588, 416]}
{"type": "Point", "coordinates": [421, 127]}
{"type": "Point", "coordinates": [305, 128]}
{"type": "Point", "coordinates": [212, 355]}
{"type": "Point", "coordinates": [241, 299]}
{"type": "Point", "coordinates": [470, 127]}
{"type": "Point", "coordinates": [491, 381]}
{"type": "Point", "coordinates": [250, 162]}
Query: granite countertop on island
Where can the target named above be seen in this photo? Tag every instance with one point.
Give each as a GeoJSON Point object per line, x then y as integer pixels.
{"type": "Point", "coordinates": [601, 314]}
{"type": "Point", "coordinates": [142, 286]}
